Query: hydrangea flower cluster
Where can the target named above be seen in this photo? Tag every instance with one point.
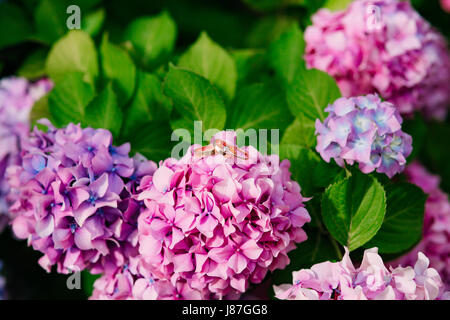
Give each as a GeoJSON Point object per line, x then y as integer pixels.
{"type": "Point", "coordinates": [213, 225]}
{"type": "Point", "coordinates": [383, 46]}
{"type": "Point", "coordinates": [127, 284]}
{"type": "Point", "coordinates": [371, 281]}
{"type": "Point", "coordinates": [74, 193]}
{"type": "Point", "coordinates": [436, 232]}
{"type": "Point", "coordinates": [17, 97]}
{"type": "Point", "coordinates": [364, 130]}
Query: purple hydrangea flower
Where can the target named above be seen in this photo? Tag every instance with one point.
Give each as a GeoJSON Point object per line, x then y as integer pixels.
{"type": "Point", "coordinates": [364, 130]}
{"type": "Point", "coordinates": [17, 97]}
{"type": "Point", "coordinates": [75, 197]}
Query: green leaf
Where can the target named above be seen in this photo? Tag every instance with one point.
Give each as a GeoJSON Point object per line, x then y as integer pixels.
{"type": "Point", "coordinates": [300, 132]}
{"type": "Point", "coordinates": [75, 52]}
{"type": "Point", "coordinates": [310, 93]}
{"type": "Point", "coordinates": [335, 5]}
{"type": "Point", "coordinates": [268, 29]}
{"type": "Point", "coordinates": [152, 140]}
{"type": "Point", "coordinates": [88, 282]}
{"type": "Point", "coordinates": [69, 98]}
{"type": "Point", "coordinates": [403, 223]}
{"type": "Point", "coordinates": [14, 25]}
{"type": "Point", "coordinates": [40, 110]}
{"type": "Point", "coordinates": [149, 104]}
{"type": "Point", "coordinates": [303, 161]}
{"type": "Point", "coordinates": [104, 112]}
{"type": "Point", "coordinates": [51, 17]}
{"type": "Point", "coordinates": [208, 59]}
{"type": "Point", "coordinates": [353, 209]}
{"type": "Point", "coordinates": [312, 174]}
{"type": "Point", "coordinates": [92, 23]}
{"type": "Point", "coordinates": [153, 39]}
{"type": "Point", "coordinates": [285, 54]}
{"type": "Point", "coordinates": [195, 98]}
{"type": "Point", "coordinates": [34, 65]}
{"type": "Point", "coordinates": [259, 106]}
{"type": "Point", "coordinates": [251, 65]}
{"type": "Point", "coordinates": [118, 67]}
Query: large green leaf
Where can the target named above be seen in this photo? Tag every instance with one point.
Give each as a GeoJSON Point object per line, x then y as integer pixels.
{"type": "Point", "coordinates": [195, 98]}
{"type": "Point", "coordinates": [149, 104]}
{"type": "Point", "coordinates": [50, 17]}
{"type": "Point", "coordinates": [208, 59]}
{"type": "Point", "coordinates": [251, 65]}
{"type": "Point", "coordinates": [153, 39]}
{"type": "Point", "coordinates": [403, 223]}
{"type": "Point", "coordinates": [310, 93]}
{"type": "Point", "coordinates": [69, 98]}
{"type": "Point", "coordinates": [75, 52]}
{"type": "Point", "coordinates": [118, 67]}
{"type": "Point", "coordinates": [285, 54]}
{"type": "Point", "coordinates": [335, 5]}
{"type": "Point", "coordinates": [353, 209]}
{"type": "Point", "coordinates": [93, 22]}
{"type": "Point", "coordinates": [104, 112]}
{"type": "Point", "coordinates": [14, 25]}
{"type": "Point", "coordinates": [268, 29]}
{"type": "Point", "coordinates": [259, 106]}
{"type": "Point", "coordinates": [300, 132]}
{"type": "Point", "coordinates": [152, 140]}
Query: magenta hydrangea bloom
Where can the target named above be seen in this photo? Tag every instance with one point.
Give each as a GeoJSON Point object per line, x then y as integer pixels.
{"type": "Point", "coordinates": [17, 97]}
{"type": "Point", "coordinates": [213, 225]}
{"type": "Point", "coordinates": [364, 130]}
{"type": "Point", "coordinates": [383, 46]}
{"type": "Point", "coordinates": [75, 200]}
{"type": "Point", "coordinates": [436, 231]}
{"type": "Point", "coordinates": [371, 281]}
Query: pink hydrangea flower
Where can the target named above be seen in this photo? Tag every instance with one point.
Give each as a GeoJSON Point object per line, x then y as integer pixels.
{"type": "Point", "coordinates": [436, 232]}
{"type": "Point", "coordinates": [371, 281]}
{"type": "Point", "coordinates": [125, 284]}
{"type": "Point", "coordinates": [215, 224]}
{"type": "Point", "coordinates": [17, 97]}
{"type": "Point", "coordinates": [364, 130]}
{"type": "Point", "coordinates": [75, 200]}
{"type": "Point", "coordinates": [445, 4]}
{"type": "Point", "coordinates": [383, 46]}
